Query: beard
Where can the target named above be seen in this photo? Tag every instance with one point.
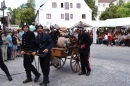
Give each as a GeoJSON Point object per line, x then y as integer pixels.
{"type": "Point", "coordinates": [39, 32]}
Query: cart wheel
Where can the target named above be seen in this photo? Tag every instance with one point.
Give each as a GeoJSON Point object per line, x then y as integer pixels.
{"type": "Point", "coordinates": [75, 62]}
{"type": "Point", "coordinates": [61, 63]}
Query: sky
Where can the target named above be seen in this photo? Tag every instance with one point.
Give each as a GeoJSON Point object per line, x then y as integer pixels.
{"type": "Point", "coordinates": [16, 3]}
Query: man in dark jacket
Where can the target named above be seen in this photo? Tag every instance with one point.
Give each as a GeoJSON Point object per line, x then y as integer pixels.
{"type": "Point", "coordinates": [28, 44]}
{"type": "Point", "coordinates": [2, 65]}
{"type": "Point", "coordinates": [44, 44]}
{"type": "Point", "coordinates": [84, 42]}
{"type": "Point", "coordinates": [53, 35]}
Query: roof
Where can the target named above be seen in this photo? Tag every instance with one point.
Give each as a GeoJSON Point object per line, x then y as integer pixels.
{"type": "Point", "coordinates": [106, 1]}
{"type": "Point", "coordinates": [41, 5]}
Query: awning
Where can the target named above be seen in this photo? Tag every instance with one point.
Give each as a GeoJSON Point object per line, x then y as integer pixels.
{"type": "Point", "coordinates": [80, 23]}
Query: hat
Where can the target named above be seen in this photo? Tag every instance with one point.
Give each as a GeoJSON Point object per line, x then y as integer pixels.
{"type": "Point", "coordinates": [38, 25]}
{"type": "Point", "coordinates": [25, 24]}
{"type": "Point", "coordinates": [52, 27]}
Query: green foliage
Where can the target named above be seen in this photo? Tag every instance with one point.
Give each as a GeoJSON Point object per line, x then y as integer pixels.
{"type": "Point", "coordinates": [124, 10]}
{"type": "Point", "coordinates": [110, 12]}
{"type": "Point", "coordinates": [116, 11]}
{"type": "Point", "coordinates": [24, 13]}
{"type": "Point", "coordinates": [91, 4]}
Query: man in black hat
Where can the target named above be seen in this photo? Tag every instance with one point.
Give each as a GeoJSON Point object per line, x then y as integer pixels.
{"type": "Point", "coordinates": [53, 35]}
{"type": "Point", "coordinates": [28, 45]}
{"type": "Point", "coordinates": [2, 65]}
{"type": "Point", "coordinates": [84, 41]}
{"type": "Point", "coordinates": [44, 43]}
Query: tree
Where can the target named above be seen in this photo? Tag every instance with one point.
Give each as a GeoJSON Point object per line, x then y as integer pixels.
{"type": "Point", "coordinates": [110, 12]}
{"type": "Point", "coordinates": [120, 3]}
{"type": "Point", "coordinates": [91, 4]}
{"type": "Point", "coordinates": [24, 13]}
{"type": "Point", "coordinates": [27, 16]}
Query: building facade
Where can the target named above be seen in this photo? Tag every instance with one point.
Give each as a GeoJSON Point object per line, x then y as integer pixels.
{"type": "Point", "coordinates": [102, 5]}
{"type": "Point", "coordinates": [63, 12]}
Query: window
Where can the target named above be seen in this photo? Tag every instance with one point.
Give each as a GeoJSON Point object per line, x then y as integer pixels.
{"type": "Point", "coordinates": [78, 5]}
{"type": "Point", "coordinates": [71, 5]}
{"type": "Point", "coordinates": [62, 16]}
{"type": "Point", "coordinates": [83, 16]}
{"type": "Point", "coordinates": [66, 16]}
{"type": "Point", "coordinates": [54, 5]}
{"type": "Point", "coordinates": [103, 5]}
{"type": "Point", "coordinates": [48, 16]}
{"type": "Point", "coordinates": [61, 5]}
{"type": "Point", "coordinates": [98, 12]}
{"type": "Point", "coordinates": [71, 16]}
{"type": "Point", "coordinates": [66, 5]}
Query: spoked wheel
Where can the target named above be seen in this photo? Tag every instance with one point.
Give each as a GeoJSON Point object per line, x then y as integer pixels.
{"type": "Point", "coordinates": [61, 63]}
{"type": "Point", "coordinates": [75, 62]}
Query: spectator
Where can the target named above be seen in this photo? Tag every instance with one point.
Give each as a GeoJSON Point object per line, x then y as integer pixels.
{"type": "Point", "coordinates": [10, 44]}
{"type": "Point", "coordinates": [119, 38]}
{"type": "Point", "coordinates": [4, 47]}
{"type": "Point", "coordinates": [105, 38]}
{"type": "Point", "coordinates": [109, 39]}
{"type": "Point", "coordinates": [14, 41]}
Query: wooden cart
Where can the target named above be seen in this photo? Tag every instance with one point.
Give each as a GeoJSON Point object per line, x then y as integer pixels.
{"type": "Point", "coordinates": [59, 56]}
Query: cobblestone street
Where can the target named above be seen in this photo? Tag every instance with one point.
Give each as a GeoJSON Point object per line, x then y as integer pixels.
{"type": "Point", "coordinates": [110, 67]}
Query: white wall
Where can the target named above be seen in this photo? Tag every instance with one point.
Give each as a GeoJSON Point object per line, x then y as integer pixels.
{"type": "Point", "coordinates": [56, 12]}
{"type": "Point", "coordinates": [101, 7]}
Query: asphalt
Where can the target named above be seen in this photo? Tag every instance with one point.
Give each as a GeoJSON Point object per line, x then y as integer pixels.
{"type": "Point", "coordinates": [110, 67]}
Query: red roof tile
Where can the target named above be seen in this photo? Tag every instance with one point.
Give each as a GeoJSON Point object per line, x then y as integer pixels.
{"type": "Point", "coordinates": [107, 1]}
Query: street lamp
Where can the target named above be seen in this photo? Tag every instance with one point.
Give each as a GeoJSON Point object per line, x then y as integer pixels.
{"type": "Point", "coordinates": [3, 7]}
{"type": "Point", "coordinates": [8, 14]}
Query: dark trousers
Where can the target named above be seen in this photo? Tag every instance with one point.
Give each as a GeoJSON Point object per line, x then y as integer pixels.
{"type": "Point", "coordinates": [84, 57]}
{"type": "Point", "coordinates": [9, 55]}
{"type": "Point", "coordinates": [45, 65]}
{"type": "Point", "coordinates": [28, 65]}
{"type": "Point", "coordinates": [3, 66]}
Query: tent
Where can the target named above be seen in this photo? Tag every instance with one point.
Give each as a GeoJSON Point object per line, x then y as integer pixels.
{"type": "Point", "coordinates": [80, 23]}
{"type": "Point", "coordinates": [45, 27]}
{"type": "Point", "coordinates": [119, 21]}
{"type": "Point", "coordinates": [56, 26]}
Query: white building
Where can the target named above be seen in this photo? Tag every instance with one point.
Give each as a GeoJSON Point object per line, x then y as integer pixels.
{"type": "Point", "coordinates": [125, 1]}
{"type": "Point", "coordinates": [102, 5]}
{"type": "Point", "coordinates": [63, 12]}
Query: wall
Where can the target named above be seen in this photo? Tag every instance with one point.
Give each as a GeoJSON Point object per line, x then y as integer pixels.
{"type": "Point", "coordinates": [56, 12]}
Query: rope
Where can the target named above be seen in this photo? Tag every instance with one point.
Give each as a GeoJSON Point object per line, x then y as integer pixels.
{"type": "Point", "coordinates": [13, 74]}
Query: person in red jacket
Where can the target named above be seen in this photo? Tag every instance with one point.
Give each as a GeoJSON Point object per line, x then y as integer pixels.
{"type": "Point", "coordinates": [84, 42]}
{"type": "Point", "coordinates": [109, 39]}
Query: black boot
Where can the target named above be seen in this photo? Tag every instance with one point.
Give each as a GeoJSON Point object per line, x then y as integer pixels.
{"type": "Point", "coordinates": [82, 73]}
{"type": "Point", "coordinates": [9, 78]}
{"type": "Point", "coordinates": [37, 77]}
{"type": "Point", "coordinates": [29, 79]}
{"type": "Point", "coordinates": [43, 84]}
{"type": "Point", "coordinates": [8, 75]}
{"type": "Point", "coordinates": [88, 73]}
{"type": "Point", "coordinates": [36, 73]}
{"type": "Point", "coordinates": [45, 80]}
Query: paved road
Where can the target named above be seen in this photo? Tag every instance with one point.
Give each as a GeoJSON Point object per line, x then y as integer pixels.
{"type": "Point", "coordinates": [110, 67]}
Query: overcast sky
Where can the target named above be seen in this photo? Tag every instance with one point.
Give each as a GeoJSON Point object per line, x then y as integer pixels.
{"type": "Point", "coordinates": [16, 3]}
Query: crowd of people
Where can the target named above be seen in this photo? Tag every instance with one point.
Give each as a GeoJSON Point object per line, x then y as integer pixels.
{"type": "Point", "coordinates": [118, 38]}
{"type": "Point", "coordinates": [11, 44]}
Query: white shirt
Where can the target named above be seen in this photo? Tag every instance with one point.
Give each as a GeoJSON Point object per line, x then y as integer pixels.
{"type": "Point", "coordinates": [35, 33]}
{"type": "Point", "coordinates": [70, 32]}
{"type": "Point", "coordinates": [124, 37]}
{"type": "Point", "coordinates": [105, 37]}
